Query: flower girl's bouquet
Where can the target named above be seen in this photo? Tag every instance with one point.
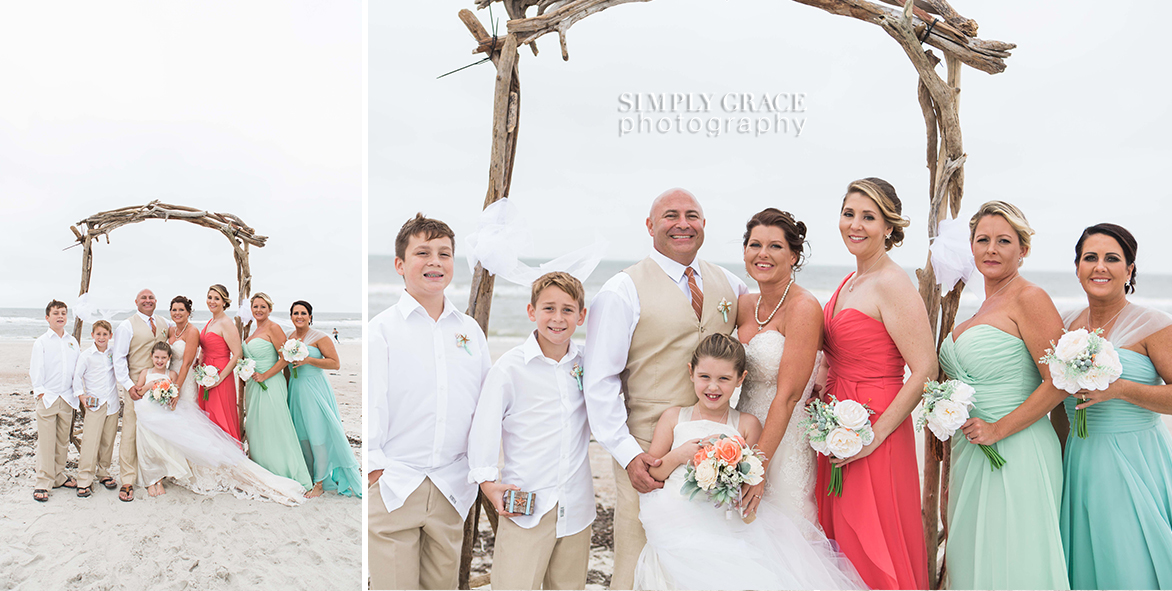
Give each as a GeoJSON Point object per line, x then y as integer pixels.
{"type": "Point", "coordinates": [1082, 360]}
{"type": "Point", "coordinates": [720, 467]}
{"type": "Point", "coordinates": [839, 429]}
{"type": "Point", "coordinates": [946, 408]}
{"type": "Point", "coordinates": [206, 376]}
{"type": "Point", "coordinates": [294, 350]}
{"type": "Point", "coordinates": [162, 392]}
{"type": "Point", "coordinates": [244, 369]}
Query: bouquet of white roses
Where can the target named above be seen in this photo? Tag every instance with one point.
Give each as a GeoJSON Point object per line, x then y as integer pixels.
{"type": "Point", "coordinates": [839, 429]}
{"type": "Point", "coordinates": [206, 376]}
{"type": "Point", "coordinates": [162, 392]}
{"type": "Point", "coordinates": [245, 368]}
{"type": "Point", "coordinates": [1082, 360]}
{"type": "Point", "coordinates": [720, 467]}
{"type": "Point", "coordinates": [294, 350]}
{"type": "Point", "coordinates": [946, 408]}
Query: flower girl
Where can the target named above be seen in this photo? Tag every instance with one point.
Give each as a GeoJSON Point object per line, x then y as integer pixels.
{"type": "Point", "coordinates": [690, 543]}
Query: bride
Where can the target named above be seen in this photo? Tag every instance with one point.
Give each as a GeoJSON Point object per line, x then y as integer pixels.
{"type": "Point", "coordinates": [184, 444]}
{"type": "Point", "coordinates": [781, 327]}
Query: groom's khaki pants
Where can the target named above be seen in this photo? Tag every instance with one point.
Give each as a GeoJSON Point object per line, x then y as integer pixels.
{"type": "Point", "coordinates": [53, 426]}
{"type": "Point", "coordinates": [128, 449]}
{"type": "Point", "coordinates": [416, 546]}
{"type": "Point", "coordinates": [97, 445]}
{"type": "Point", "coordinates": [536, 558]}
{"type": "Point", "coordinates": [629, 537]}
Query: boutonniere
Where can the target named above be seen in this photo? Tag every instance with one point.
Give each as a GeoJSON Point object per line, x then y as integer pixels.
{"type": "Point", "coordinates": [462, 341]}
{"type": "Point", "coordinates": [725, 307]}
{"type": "Point", "coordinates": [576, 371]}
{"type": "Point", "coordinates": [110, 356]}
{"type": "Point", "coordinates": [71, 347]}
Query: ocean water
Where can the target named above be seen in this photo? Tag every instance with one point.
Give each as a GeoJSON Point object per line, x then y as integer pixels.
{"type": "Point", "coordinates": [26, 324]}
{"type": "Point", "coordinates": [508, 319]}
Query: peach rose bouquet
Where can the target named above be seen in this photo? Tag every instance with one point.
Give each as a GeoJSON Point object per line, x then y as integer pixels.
{"type": "Point", "coordinates": [720, 467]}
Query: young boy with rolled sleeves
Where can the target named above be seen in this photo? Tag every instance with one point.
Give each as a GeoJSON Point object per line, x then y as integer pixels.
{"type": "Point", "coordinates": [96, 389]}
{"type": "Point", "coordinates": [532, 404]}
{"type": "Point", "coordinates": [427, 362]}
{"type": "Point", "coordinates": [51, 371]}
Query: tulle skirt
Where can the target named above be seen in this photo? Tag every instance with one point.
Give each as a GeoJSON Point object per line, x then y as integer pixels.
{"type": "Point", "coordinates": [217, 462]}
{"type": "Point", "coordinates": [693, 545]}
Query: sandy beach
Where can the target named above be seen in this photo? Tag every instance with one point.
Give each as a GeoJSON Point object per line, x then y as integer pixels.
{"type": "Point", "coordinates": [179, 540]}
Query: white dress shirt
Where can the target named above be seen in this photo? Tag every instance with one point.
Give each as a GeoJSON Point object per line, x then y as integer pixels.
{"type": "Point", "coordinates": [614, 314]}
{"type": "Point", "coordinates": [94, 376]}
{"type": "Point", "coordinates": [51, 367]}
{"type": "Point", "coordinates": [121, 346]}
{"type": "Point", "coordinates": [532, 405]}
{"type": "Point", "coordinates": [424, 383]}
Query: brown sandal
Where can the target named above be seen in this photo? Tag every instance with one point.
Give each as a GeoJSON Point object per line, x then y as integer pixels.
{"type": "Point", "coordinates": [84, 491]}
{"type": "Point", "coordinates": [126, 493]}
{"type": "Point", "coordinates": [109, 483]}
{"type": "Point", "coordinates": [40, 495]}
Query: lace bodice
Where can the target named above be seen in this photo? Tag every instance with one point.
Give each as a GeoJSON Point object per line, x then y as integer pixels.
{"type": "Point", "coordinates": [789, 482]}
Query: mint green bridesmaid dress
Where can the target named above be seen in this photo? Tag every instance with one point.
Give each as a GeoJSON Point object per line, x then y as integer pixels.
{"type": "Point", "coordinates": [1116, 505]}
{"type": "Point", "coordinates": [1003, 528]}
{"type": "Point", "coordinates": [272, 441]}
{"type": "Point", "coordinates": [324, 444]}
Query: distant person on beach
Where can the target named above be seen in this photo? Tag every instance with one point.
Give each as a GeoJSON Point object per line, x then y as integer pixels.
{"type": "Point", "coordinates": [51, 371]}
{"type": "Point", "coordinates": [133, 342]}
{"type": "Point", "coordinates": [96, 388]}
{"type": "Point", "coordinates": [532, 403]}
{"type": "Point", "coordinates": [336, 336]}
{"type": "Point", "coordinates": [427, 363]}
{"type": "Point", "coordinates": [640, 351]}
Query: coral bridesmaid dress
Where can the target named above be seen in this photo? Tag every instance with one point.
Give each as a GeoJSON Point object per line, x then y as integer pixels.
{"type": "Point", "coordinates": [876, 521]}
{"type": "Point", "coordinates": [219, 402]}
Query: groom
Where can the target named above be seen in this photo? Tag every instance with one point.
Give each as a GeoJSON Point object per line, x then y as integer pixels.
{"type": "Point", "coordinates": [642, 328]}
{"type": "Point", "coordinates": [133, 340]}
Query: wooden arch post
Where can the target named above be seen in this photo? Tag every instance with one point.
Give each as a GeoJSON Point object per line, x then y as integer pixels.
{"type": "Point", "coordinates": [240, 234]}
{"type": "Point", "coordinates": [914, 24]}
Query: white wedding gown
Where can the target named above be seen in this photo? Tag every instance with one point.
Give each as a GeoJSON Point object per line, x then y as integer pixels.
{"type": "Point", "coordinates": [791, 477]}
{"type": "Point", "coordinates": [693, 545]}
{"type": "Point", "coordinates": [187, 437]}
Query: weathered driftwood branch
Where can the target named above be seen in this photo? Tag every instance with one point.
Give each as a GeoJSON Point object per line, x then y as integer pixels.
{"type": "Point", "coordinates": [563, 15]}
{"type": "Point", "coordinates": [987, 56]}
{"type": "Point", "coordinates": [505, 125]}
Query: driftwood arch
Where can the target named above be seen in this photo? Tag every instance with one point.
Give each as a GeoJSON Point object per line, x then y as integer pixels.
{"type": "Point", "coordinates": [913, 24]}
{"type": "Point", "coordinates": [241, 235]}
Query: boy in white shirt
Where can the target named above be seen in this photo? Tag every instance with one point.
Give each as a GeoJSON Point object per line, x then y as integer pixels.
{"type": "Point", "coordinates": [96, 388]}
{"type": "Point", "coordinates": [427, 362]}
{"type": "Point", "coordinates": [532, 402]}
{"type": "Point", "coordinates": [51, 371]}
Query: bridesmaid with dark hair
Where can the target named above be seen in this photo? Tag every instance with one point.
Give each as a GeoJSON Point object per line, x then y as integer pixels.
{"type": "Point", "coordinates": [1116, 515]}
{"type": "Point", "coordinates": [874, 323]}
{"type": "Point", "coordinates": [331, 461]}
{"type": "Point", "coordinates": [220, 342]}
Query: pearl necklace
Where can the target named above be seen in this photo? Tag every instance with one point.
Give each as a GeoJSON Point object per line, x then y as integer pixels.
{"type": "Point", "coordinates": [851, 287]}
{"type": "Point", "coordinates": [756, 310]}
{"type": "Point", "coordinates": [178, 332]}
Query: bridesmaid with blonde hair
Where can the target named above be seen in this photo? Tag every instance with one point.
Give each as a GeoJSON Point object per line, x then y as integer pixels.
{"type": "Point", "coordinates": [272, 440]}
{"type": "Point", "coordinates": [875, 324]}
{"type": "Point", "coordinates": [1003, 524]}
{"type": "Point", "coordinates": [220, 347]}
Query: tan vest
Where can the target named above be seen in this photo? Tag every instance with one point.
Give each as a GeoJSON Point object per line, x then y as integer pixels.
{"type": "Point", "coordinates": [142, 342]}
{"type": "Point", "coordinates": [656, 376]}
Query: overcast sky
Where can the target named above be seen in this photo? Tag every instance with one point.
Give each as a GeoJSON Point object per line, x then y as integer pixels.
{"type": "Point", "coordinates": [251, 108]}
{"type": "Point", "coordinates": [1074, 131]}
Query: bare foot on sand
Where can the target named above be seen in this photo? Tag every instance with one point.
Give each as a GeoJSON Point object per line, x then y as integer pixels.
{"type": "Point", "coordinates": [316, 491]}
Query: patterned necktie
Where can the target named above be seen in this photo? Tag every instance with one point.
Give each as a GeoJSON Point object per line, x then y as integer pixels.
{"type": "Point", "coordinates": [697, 295]}
{"type": "Point", "coordinates": [152, 321]}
